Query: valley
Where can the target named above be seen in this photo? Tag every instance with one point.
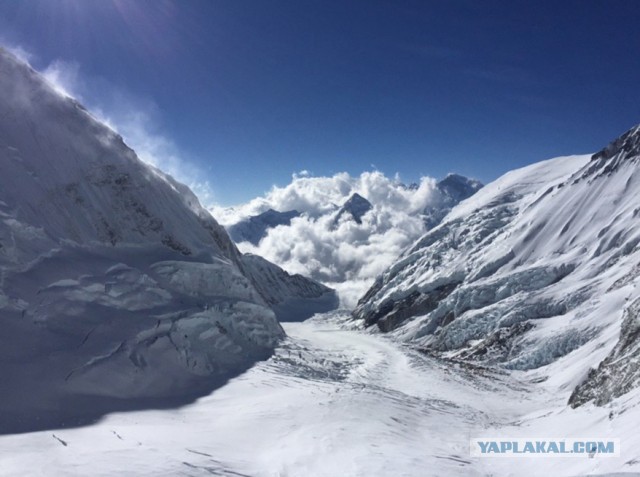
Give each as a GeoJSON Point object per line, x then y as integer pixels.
{"type": "Point", "coordinates": [336, 401]}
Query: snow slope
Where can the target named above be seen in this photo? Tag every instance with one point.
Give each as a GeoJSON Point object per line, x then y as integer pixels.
{"type": "Point", "coordinates": [335, 402]}
{"type": "Point", "coordinates": [116, 286]}
{"type": "Point", "coordinates": [292, 297]}
{"type": "Point", "coordinates": [535, 270]}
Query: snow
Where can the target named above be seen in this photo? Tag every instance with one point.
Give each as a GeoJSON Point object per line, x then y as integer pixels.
{"type": "Point", "coordinates": [292, 297]}
{"type": "Point", "coordinates": [138, 340]}
{"type": "Point", "coordinates": [533, 267]}
{"type": "Point", "coordinates": [336, 402]}
{"type": "Point", "coordinates": [117, 288]}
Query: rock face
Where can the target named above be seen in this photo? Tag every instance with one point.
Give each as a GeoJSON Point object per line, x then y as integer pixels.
{"type": "Point", "coordinates": [457, 188]}
{"type": "Point", "coordinates": [255, 228]}
{"type": "Point", "coordinates": [292, 297]}
{"type": "Point", "coordinates": [355, 208]}
{"type": "Point", "coordinates": [619, 372]}
{"type": "Point", "coordinates": [625, 147]}
{"type": "Point", "coordinates": [536, 268]}
{"type": "Point", "coordinates": [116, 287]}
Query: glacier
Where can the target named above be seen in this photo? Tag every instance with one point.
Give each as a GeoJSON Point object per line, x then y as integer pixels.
{"type": "Point", "coordinates": [536, 270]}
{"type": "Point", "coordinates": [332, 401]}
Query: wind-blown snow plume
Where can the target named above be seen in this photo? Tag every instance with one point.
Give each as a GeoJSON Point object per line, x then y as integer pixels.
{"type": "Point", "coordinates": [135, 119]}
{"type": "Point", "coordinates": [339, 251]}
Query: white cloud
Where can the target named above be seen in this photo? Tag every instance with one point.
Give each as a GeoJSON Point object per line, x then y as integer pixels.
{"type": "Point", "coordinates": [348, 256]}
{"type": "Point", "coordinates": [19, 52]}
{"type": "Point", "coordinates": [64, 77]}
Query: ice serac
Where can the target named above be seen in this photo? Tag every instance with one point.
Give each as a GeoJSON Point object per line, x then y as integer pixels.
{"type": "Point", "coordinates": [538, 268]}
{"type": "Point", "coordinates": [116, 287]}
{"type": "Point", "coordinates": [255, 228]}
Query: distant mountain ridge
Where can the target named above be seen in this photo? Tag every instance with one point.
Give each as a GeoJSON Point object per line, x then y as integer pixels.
{"type": "Point", "coordinates": [255, 228]}
{"type": "Point", "coordinates": [344, 229]}
{"type": "Point", "coordinates": [453, 188]}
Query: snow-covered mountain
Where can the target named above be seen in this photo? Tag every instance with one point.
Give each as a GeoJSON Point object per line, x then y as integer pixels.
{"type": "Point", "coordinates": [254, 228]}
{"type": "Point", "coordinates": [456, 188]}
{"type": "Point", "coordinates": [115, 284]}
{"type": "Point", "coordinates": [118, 291]}
{"type": "Point", "coordinates": [453, 189]}
{"type": "Point", "coordinates": [292, 297]}
{"type": "Point", "coordinates": [538, 270]}
{"type": "Point", "coordinates": [342, 230]}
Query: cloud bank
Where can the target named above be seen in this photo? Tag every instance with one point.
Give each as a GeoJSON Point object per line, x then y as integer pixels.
{"type": "Point", "coordinates": [344, 255]}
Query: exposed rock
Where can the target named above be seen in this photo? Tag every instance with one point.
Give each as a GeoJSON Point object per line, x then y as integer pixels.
{"type": "Point", "coordinates": [619, 372]}
{"type": "Point", "coordinates": [356, 207]}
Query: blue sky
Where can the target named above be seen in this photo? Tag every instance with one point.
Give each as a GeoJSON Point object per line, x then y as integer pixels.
{"type": "Point", "coordinates": [248, 92]}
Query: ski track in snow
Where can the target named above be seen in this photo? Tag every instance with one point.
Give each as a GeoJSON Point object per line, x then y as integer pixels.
{"type": "Point", "coordinates": [330, 402]}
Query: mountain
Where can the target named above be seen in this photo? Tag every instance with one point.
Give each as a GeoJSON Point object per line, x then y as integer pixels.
{"type": "Point", "coordinates": [537, 270]}
{"type": "Point", "coordinates": [457, 188]}
{"type": "Point", "coordinates": [292, 297]}
{"type": "Point", "coordinates": [452, 189]}
{"type": "Point", "coordinates": [343, 246]}
{"type": "Point", "coordinates": [254, 228]}
{"type": "Point", "coordinates": [117, 288]}
{"type": "Point", "coordinates": [355, 207]}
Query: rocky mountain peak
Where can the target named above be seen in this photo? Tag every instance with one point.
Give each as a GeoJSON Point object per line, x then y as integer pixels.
{"type": "Point", "coordinates": [356, 206]}
{"type": "Point", "coordinates": [626, 146]}
{"type": "Point", "coordinates": [458, 187]}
